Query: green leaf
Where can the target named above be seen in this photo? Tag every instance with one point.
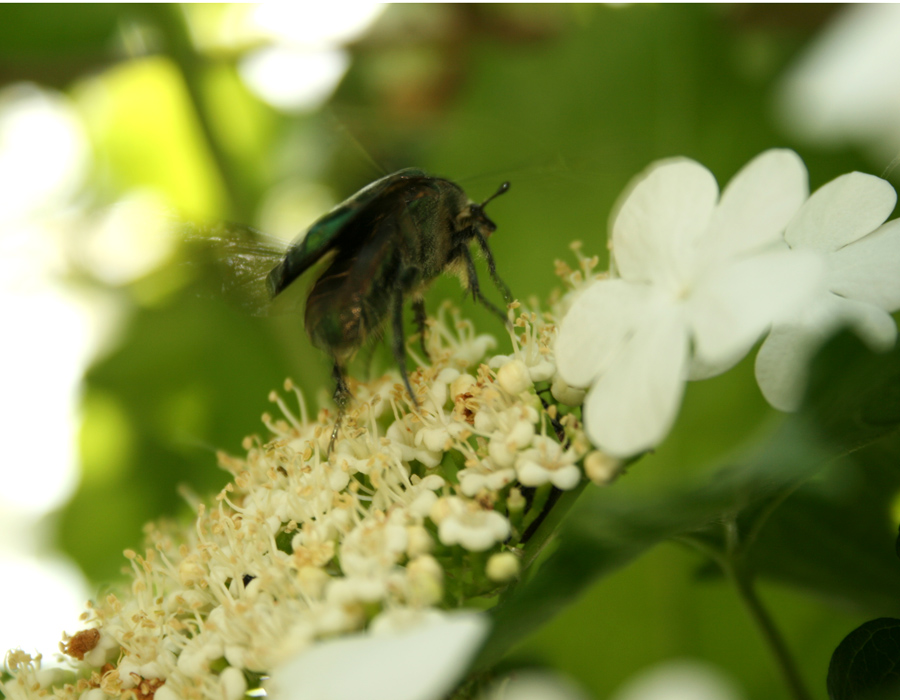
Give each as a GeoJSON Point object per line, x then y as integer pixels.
{"type": "Point", "coordinates": [866, 664]}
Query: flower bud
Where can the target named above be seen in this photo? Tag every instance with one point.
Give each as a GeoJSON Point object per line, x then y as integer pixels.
{"type": "Point", "coordinates": [461, 384]}
{"type": "Point", "coordinates": [601, 468]}
{"type": "Point", "coordinates": [514, 377]}
{"type": "Point", "coordinates": [426, 578]}
{"type": "Point", "coordinates": [515, 502]}
{"type": "Point", "coordinates": [565, 394]}
{"type": "Point", "coordinates": [503, 567]}
{"type": "Point", "coordinates": [419, 541]}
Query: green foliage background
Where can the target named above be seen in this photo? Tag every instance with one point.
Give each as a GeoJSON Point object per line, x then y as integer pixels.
{"type": "Point", "coordinates": [568, 103]}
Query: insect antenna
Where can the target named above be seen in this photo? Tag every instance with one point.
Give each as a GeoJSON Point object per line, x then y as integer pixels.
{"type": "Point", "coordinates": [500, 190]}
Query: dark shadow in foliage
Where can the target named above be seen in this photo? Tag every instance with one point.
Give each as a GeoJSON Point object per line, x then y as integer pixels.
{"type": "Point", "coordinates": [866, 664]}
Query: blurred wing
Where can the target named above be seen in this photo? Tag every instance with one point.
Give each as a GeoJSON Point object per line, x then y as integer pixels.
{"type": "Point", "coordinates": [236, 260]}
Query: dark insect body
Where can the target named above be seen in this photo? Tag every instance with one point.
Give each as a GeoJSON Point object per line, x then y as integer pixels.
{"type": "Point", "coordinates": [386, 244]}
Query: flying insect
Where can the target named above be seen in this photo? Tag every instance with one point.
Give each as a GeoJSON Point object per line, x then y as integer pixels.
{"type": "Point", "coordinates": [385, 244]}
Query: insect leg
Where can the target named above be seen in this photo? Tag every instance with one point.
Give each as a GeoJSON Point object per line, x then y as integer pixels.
{"type": "Point", "coordinates": [475, 288]}
{"type": "Point", "coordinates": [397, 344]}
{"type": "Point", "coordinates": [419, 311]}
{"type": "Point", "coordinates": [341, 398]}
{"type": "Point", "coordinates": [492, 267]}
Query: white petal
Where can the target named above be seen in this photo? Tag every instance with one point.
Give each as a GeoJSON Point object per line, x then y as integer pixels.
{"type": "Point", "coordinates": [662, 214]}
{"type": "Point", "coordinates": [633, 405]}
{"type": "Point", "coordinates": [424, 663]}
{"type": "Point", "coordinates": [731, 308]}
{"type": "Point", "coordinates": [869, 269]}
{"type": "Point", "coordinates": [566, 478]}
{"type": "Point", "coordinates": [873, 325]}
{"type": "Point", "coordinates": [842, 211]}
{"type": "Point", "coordinates": [594, 330]}
{"type": "Point", "coordinates": [758, 203]}
{"type": "Point", "coordinates": [782, 365]}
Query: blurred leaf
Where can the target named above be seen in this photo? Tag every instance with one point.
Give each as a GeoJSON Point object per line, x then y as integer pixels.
{"type": "Point", "coordinates": [828, 544]}
{"type": "Point", "coordinates": [58, 30]}
{"type": "Point", "coordinates": [55, 44]}
{"type": "Point", "coordinates": [146, 134]}
{"type": "Point", "coordinates": [866, 665]}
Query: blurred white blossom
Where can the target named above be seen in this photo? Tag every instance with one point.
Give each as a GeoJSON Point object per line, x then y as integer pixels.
{"type": "Point", "coordinates": [423, 662]}
{"type": "Point", "coordinates": [844, 87]}
{"type": "Point", "coordinates": [679, 680]}
{"type": "Point", "coordinates": [535, 685]}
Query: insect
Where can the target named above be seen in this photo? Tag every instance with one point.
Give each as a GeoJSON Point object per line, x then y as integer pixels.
{"type": "Point", "coordinates": [386, 244]}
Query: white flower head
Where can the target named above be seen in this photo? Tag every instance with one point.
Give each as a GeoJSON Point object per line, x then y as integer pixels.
{"type": "Point", "coordinates": [698, 278]}
{"type": "Point", "coordinates": [842, 224]}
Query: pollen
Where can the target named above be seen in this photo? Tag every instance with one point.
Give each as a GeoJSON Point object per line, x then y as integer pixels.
{"type": "Point", "coordinates": [81, 643]}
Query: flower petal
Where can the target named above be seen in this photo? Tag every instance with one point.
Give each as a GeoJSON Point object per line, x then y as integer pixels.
{"type": "Point", "coordinates": [732, 307]}
{"type": "Point", "coordinates": [423, 663]}
{"type": "Point", "coordinates": [633, 405]}
{"type": "Point", "coordinates": [758, 203]}
{"type": "Point", "coordinates": [875, 326]}
{"type": "Point", "coordinates": [782, 364]}
{"type": "Point", "coordinates": [660, 216]}
{"type": "Point", "coordinates": [841, 211]}
{"type": "Point", "coordinates": [869, 269]}
{"type": "Point", "coordinates": [596, 327]}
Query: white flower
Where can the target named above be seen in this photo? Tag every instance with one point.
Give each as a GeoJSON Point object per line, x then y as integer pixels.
{"type": "Point", "coordinates": [468, 524]}
{"type": "Point", "coordinates": [422, 663]}
{"type": "Point", "coordinates": [546, 461]}
{"type": "Point", "coordinates": [484, 475]}
{"type": "Point", "coordinates": [698, 279]}
{"type": "Point", "coordinates": [841, 223]}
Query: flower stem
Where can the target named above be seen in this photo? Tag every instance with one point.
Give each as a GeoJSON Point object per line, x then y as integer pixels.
{"type": "Point", "coordinates": [733, 565]}
{"type": "Point", "coordinates": [549, 525]}
{"type": "Point", "coordinates": [172, 24]}
{"type": "Point", "coordinates": [770, 633]}
{"type": "Point", "coordinates": [731, 562]}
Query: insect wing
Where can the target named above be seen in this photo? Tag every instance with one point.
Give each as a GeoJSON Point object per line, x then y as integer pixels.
{"type": "Point", "coordinates": [239, 259]}
{"type": "Point", "coordinates": [338, 228]}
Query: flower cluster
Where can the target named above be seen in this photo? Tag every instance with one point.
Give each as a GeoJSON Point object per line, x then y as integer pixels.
{"type": "Point", "coordinates": [696, 279]}
{"type": "Point", "coordinates": [360, 542]}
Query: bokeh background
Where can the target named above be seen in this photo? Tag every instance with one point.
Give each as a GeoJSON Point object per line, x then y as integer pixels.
{"type": "Point", "coordinates": [121, 126]}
